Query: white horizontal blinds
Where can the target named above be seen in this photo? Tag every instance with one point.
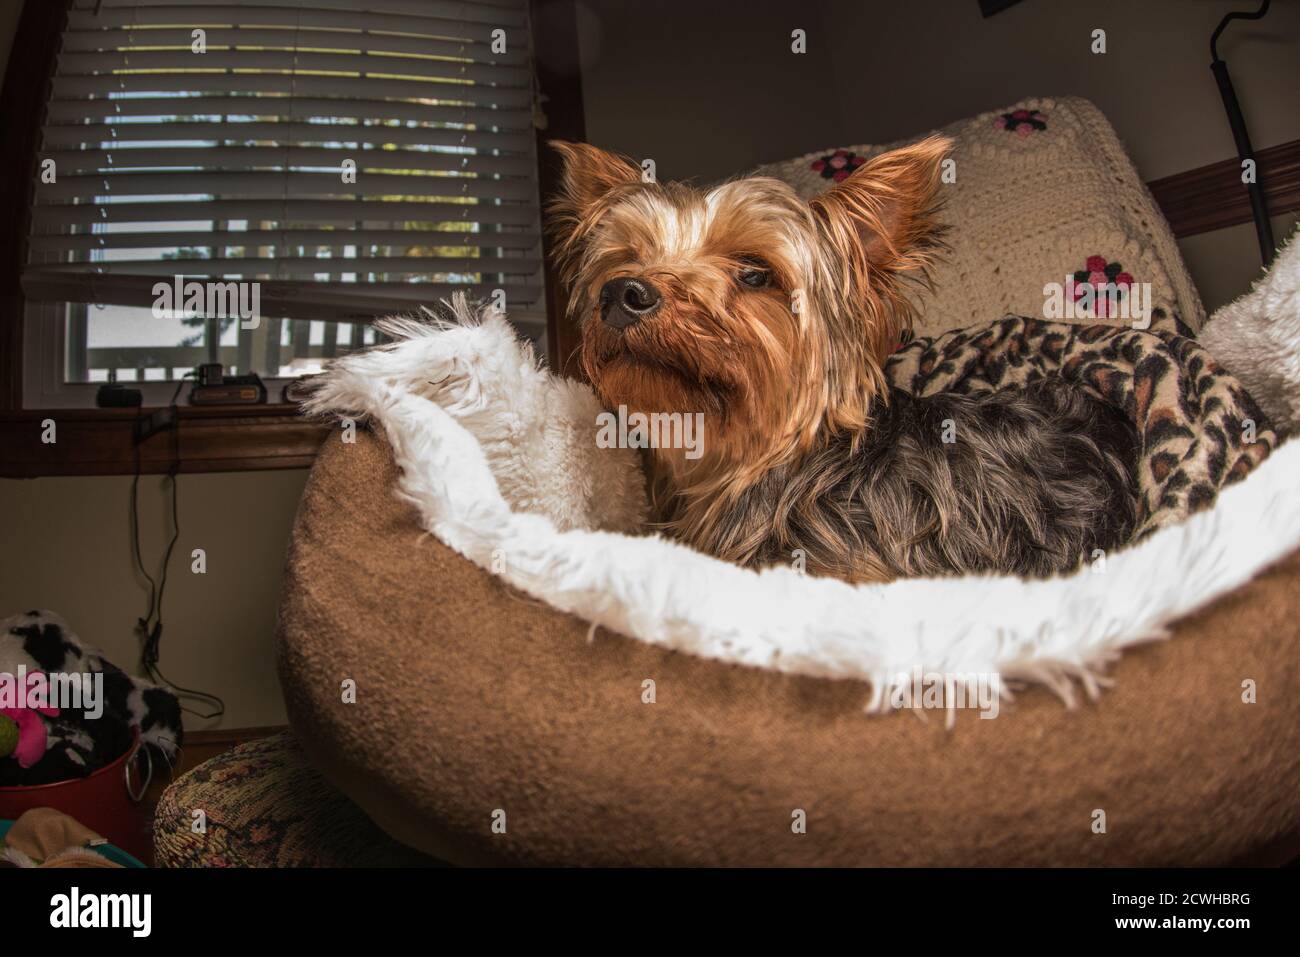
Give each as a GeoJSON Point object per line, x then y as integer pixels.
{"type": "Point", "coordinates": [229, 163]}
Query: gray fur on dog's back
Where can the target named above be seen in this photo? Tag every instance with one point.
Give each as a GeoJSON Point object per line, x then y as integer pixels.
{"type": "Point", "coordinates": [1032, 482]}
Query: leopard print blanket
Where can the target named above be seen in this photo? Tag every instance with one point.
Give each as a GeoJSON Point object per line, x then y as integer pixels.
{"type": "Point", "coordinates": [1199, 429]}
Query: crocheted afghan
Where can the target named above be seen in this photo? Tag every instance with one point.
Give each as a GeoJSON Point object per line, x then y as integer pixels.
{"type": "Point", "coordinates": [1040, 192]}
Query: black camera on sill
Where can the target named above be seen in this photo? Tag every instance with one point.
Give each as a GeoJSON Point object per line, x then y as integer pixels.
{"type": "Point", "coordinates": [115, 395]}
{"type": "Point", "coordinates": [211, 387]}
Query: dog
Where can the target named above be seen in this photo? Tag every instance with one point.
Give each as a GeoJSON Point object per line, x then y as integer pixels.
{"type": "Point", "coordinates": [775, 317]}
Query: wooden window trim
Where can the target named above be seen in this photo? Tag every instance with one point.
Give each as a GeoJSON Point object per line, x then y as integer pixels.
{"type": "Point", "coordinates": [1213, 197]}
{"type": "Point", "coordinates": [559, 77]}
{"type": "Point", "coordinates": [26, 89]}
{"type": "Point", "coordinates": [100, 441]}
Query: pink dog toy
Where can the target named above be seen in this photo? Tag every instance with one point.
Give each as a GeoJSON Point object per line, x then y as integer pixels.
{"type": "Point", "coordinates": [31, 730]}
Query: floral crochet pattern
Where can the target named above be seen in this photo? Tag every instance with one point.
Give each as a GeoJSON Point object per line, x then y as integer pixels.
{"type": "Point", "coordinates": [1021, 122]}
{"type": "Point", "coordinates": [1103, 285]}
{"type": "Point", "coordinates": [837, 165]}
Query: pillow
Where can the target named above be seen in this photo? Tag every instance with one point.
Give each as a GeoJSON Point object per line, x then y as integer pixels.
{"type": "Point", "coordinates": [1043, 193]}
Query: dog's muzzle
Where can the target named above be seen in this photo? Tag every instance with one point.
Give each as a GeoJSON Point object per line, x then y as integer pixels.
{"type": "Point", "coordinates": [624, 302]}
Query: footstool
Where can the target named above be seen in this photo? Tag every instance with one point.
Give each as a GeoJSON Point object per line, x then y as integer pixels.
{"type": "Point", "coordinates": [264, 805]}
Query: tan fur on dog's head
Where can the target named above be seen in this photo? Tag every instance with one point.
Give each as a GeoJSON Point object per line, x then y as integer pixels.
{"type": "Point", "coordinates": [771, 315]}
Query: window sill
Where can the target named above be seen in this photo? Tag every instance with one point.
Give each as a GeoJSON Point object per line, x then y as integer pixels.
{"type": "Point", "coordinates": [101, 441]}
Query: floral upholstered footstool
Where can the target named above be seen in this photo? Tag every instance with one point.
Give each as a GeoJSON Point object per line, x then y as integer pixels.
{"type": "Point", "coordinates": [262, 804]}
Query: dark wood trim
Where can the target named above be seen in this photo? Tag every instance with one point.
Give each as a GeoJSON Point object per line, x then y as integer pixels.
{"type": "Point", "coordinates": [1213, 197]}
{"type": "Point", "coordinates": [101, 441]}
{"type": "Point", "coordinates": [22, 105]}
{"type": "Point", "coordinates": [559, 81]}
{"type": "Point", "coordinates": [231, 736]}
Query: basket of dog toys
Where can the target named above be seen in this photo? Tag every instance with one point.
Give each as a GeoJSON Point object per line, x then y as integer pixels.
{"type": "Point", "coordinates": [78, 735]}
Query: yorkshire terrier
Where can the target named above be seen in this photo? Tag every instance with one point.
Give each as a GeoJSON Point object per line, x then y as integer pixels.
{"type": "Point", "coordinates": [776, 317]}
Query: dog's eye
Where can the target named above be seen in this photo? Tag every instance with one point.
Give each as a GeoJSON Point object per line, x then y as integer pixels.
{"type": "Point", "coordinates": [754, 273]}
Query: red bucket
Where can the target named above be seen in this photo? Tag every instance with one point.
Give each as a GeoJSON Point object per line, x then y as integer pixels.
{"type": "Point", "coordinates": [102, 801]}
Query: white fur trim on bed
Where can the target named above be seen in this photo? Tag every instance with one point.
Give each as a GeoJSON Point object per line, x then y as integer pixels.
{"type": "Point", "coordinates": [500, 461]}
{"type": "Point", "coordinates": [1257, 337]}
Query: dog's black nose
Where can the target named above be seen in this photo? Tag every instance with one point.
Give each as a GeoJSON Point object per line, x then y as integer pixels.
{"type": "Point", "coordinates": [626, 301]}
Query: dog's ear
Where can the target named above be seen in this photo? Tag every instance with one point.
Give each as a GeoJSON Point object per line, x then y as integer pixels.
{"type": "Point", "coordinates": [886, 208]}
{"type": "Point", "coordinates": [589, 173]}
{"type": "Point", "coordinates": [880, 224]}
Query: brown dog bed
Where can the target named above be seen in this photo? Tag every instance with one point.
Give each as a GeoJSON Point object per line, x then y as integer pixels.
{"type": "Point", "coordinates": [487, 725]}
{"type": "Point", "coordinates": [473, 699]}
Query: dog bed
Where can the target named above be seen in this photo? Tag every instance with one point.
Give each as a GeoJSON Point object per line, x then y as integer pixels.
{"type": "Point", "coordinates": [480, 649]}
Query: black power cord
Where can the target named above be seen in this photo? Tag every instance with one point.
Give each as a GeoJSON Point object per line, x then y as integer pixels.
{"type": "Point", "coordinates": [150, 627]}
{"type": "Point", "coordinates": [1255, 189]}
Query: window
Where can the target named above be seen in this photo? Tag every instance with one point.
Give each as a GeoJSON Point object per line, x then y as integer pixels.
{"type": "Point", "coordinates": [309, 161]}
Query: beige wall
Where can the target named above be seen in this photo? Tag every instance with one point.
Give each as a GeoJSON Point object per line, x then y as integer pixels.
{"type": "Point", "coordinates": [67, 547]}
{"type": "Point", "coordinates": [876, 72]}
{"type": "Point", "coordinates": [1226, 261]}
